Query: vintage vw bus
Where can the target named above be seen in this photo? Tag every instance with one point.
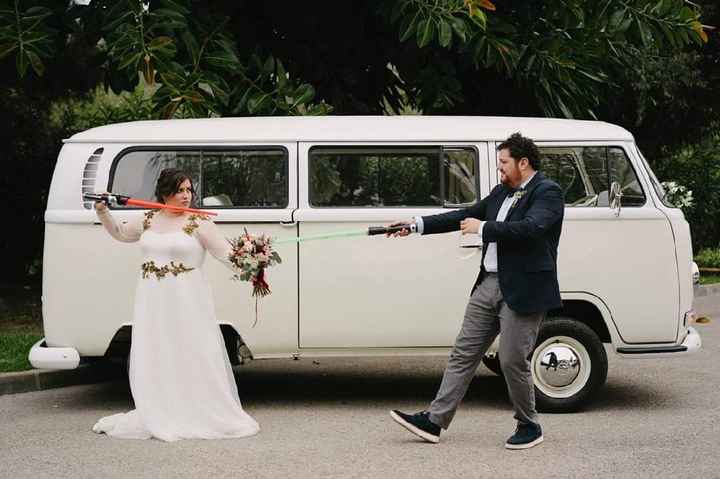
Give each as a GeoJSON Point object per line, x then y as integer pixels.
{"type": "Point", "coordinates": [625, 260]}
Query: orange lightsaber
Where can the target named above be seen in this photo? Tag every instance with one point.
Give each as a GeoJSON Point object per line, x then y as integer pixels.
{"type": "Point", "coordinates": [114, 200]}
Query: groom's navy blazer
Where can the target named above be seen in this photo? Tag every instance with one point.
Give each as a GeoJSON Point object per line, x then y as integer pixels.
{"type": "Point", "coordinates": [527, 242]}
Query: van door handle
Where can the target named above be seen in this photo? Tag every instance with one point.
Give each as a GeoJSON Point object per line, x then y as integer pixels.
{"type": "Point", "coordinates": [288, 224]}
{"type": "Point", "coordinates": [470, 241]}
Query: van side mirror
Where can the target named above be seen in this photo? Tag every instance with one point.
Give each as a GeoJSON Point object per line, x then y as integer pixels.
{"type": "Point", "coordinates": [616, 195]}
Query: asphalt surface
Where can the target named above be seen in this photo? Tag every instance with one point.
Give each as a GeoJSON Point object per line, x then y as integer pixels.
{"type": "Point", "coordinates": [329, 419]}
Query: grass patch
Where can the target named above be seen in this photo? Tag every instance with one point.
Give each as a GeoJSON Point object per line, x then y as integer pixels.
{"type": "Point", "coordinates": [14, 347]}
{"type": "Point", "coordinates": [20, 326]}
{"type": "Point", "coordinates": [709, 278]}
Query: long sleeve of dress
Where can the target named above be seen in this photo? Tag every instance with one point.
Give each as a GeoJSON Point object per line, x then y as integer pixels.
{"type": "Point", "coordinates": [214, 242]}
{"type": "Point", "coordinates": [125, 231]}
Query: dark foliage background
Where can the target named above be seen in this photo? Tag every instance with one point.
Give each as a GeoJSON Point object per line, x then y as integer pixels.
{"type": "Point", "coordinates": [643, 64]}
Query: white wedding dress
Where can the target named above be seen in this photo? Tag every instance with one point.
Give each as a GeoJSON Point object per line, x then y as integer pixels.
{"type": "Point", "coordinates": [180, 376]}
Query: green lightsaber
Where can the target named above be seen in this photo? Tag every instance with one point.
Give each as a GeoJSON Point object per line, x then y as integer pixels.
{"type": "Point", "coordinates": [371, 231]}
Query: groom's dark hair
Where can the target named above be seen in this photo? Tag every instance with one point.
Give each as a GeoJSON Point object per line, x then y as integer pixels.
{"type": "Point", "coordinates": [522, 147]}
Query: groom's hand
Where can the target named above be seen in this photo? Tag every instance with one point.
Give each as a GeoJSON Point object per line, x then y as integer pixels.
{"type": "Point", "coordinates": [470, 226]}
{"type": "Point", "coordinates": [402, 232]}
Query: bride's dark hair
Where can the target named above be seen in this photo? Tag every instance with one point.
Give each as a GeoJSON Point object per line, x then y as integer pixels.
{"type": "Point", "coordinates": [169, 181]}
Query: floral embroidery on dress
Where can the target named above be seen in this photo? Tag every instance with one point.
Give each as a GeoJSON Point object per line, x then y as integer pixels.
{"type": "Point", "coordinates": [193, 223]}
{"type": "Point", "coordinates": [149, 268]}
{"type": "Point", "coordinates": [148, 218]}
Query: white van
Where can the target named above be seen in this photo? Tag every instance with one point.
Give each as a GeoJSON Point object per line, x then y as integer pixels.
{"type": "Point", "coordinates": [625, 259]}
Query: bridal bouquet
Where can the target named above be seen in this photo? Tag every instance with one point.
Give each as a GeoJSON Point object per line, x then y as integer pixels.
{"type": "Point", "coordinates": [251, 255]}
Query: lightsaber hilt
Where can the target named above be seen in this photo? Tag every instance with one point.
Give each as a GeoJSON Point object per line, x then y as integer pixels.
{"type": "Point", "coordinates": [382, 230]}
{"type": "Point", "coordinates": [109, 199]}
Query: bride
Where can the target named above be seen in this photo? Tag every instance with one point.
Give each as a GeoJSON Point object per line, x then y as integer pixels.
{"type": "Point", "coordinates": [180, 376]}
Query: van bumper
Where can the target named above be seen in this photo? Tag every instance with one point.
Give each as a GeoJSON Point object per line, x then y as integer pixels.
{"type": "Point", "coordinates": [691, 344]}
{"type": "Point", "coordinates": [44, 357]}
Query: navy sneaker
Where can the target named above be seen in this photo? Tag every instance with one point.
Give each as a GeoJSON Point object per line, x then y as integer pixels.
{"type": "Point", "coordinates": [525, 436]}
{"type": "Point", "coordinates": [418, 424]}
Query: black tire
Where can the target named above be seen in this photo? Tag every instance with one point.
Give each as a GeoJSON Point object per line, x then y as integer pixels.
{"type": "Point", "coordinates": [588, 382]}
{"type": "Point", "coordinates": [230, 338]}
{"type": "Point", "coordinates": [493, 364]}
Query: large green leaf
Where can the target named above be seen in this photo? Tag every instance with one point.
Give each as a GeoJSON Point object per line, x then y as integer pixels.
{"type": "Point", "coordinates": [21, 63]}
{"type": "Point", "coordinates": [160, 43]}
{"type": "Point", "coordinates": [222, 58]}
{"type": "Point", "coordinates": [191, 46]}
{"type": "Point", "coordinates": [257, 102]}
{"type": "Point", "coordinates": [241, 104]}
{"type": "Point", "coordinates": [425, 32]}
{"type": "Point", "coordinates": [7, 48]}
{"type": "Point", "coordinates": [616, 19]}
{"type": "Point", "coordinates": [407, 28]}
{"type": "Point", "coordinates": [115, 22]}
{"type": "Point", "coordinates": [36, 63]}
{"type": "Point", "coordinates": [130, 60]}
{"type": "Point", "coordinates": [645, 36]}
{"type": "Point", "coordinates": [460, 28]}
{"type": "Point", "coordinates": [178, 7]}
{"type": "Point", "coordinates": [445, 36]}
{"type": "Point", "coordinates": [282, 76]}
{"type": "Point", "coordinates": [304, 93]}
{"type": "Point", "coordinates": [169, 14]}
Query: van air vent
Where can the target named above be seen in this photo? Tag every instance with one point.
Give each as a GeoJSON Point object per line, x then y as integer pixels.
{"type": "Point", "coordinates": [89, 176]}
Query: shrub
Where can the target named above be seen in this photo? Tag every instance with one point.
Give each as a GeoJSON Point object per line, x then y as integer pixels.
{"type": "Point", "coordinates": [697, 168]}
{"type": "Point", "coordinates": [708, 258]}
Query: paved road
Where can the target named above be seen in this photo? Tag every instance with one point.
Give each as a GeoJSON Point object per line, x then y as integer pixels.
{"type": "Point", "coordinates": [329, 419]}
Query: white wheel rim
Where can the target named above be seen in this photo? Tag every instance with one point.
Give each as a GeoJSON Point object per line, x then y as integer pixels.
{"type": "Point", "coordinates": [570, 371]}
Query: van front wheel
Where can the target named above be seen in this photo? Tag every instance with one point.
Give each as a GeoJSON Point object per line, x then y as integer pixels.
{"type": "Point", "coordinates": [569, 365]}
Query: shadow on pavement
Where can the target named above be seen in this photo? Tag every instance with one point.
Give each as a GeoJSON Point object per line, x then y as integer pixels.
{"type": "Point", "coordinates": [328, 387]}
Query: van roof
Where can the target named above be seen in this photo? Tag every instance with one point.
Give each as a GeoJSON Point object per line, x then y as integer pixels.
{"type": "Point", "coordinates": [350, 128]}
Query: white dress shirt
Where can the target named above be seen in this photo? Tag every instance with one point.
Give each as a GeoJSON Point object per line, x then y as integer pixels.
{"type": "Point", "coordinates": [491, 259]}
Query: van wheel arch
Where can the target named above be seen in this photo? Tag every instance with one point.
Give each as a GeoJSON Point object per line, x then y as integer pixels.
{"type": "Point", "coordinates": [235, 346]}
{"type": "Point", "coordinates": [586, 313]}
{"type": "Point", "coordinates": [119, 348]}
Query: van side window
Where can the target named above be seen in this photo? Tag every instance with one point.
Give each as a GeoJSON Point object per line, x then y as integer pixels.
{"type": "Point", "coordinates": [241, 178]}
{"type": "Point", "coordinates": [585, 174]}
{"type": "Point", "coordinates": [380, 176]}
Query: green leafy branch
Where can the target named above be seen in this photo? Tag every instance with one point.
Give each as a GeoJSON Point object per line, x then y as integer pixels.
{"type": "Point", "coordinates": [441, 19]}
{"type": "Point", "coordinates": [268, 89]}
{"type": "Point", "coordinates": [27, 34]}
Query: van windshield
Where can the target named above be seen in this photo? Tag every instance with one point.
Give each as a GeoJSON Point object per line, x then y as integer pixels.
{"type": "Point", "coordinates": [659, 188]}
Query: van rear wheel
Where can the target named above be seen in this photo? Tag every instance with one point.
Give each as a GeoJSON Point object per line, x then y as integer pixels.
{"type": "Point", "coordinates": [569, 365]}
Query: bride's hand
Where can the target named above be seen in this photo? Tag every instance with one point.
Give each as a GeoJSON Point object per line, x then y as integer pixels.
{"type": "Point", "coordinates": [100, 206]}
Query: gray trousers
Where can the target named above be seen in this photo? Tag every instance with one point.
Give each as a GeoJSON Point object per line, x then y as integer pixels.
{"type": "Point", "coordinates": [486, 316]}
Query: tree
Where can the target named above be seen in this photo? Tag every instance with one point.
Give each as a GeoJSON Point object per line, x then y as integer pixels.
{"type": "Point", "coordinates": [570, 58]}
{"type": "Point", "coordinates": [668, 99]}
{"type": "Point", "coordinates": [558, 54]}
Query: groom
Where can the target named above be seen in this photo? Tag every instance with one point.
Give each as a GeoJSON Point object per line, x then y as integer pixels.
{"type": "Point", "coordinates": [520, 223]}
